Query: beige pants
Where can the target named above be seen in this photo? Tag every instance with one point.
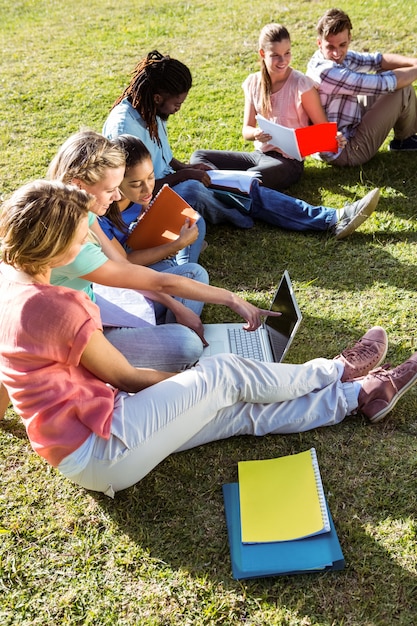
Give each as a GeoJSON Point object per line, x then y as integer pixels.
{"type": "Point", "coordinates": [396, 110]}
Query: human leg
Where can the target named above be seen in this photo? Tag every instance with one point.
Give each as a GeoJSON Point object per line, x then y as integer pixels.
{"type": "Point", "coordinates": [194, 271]}
{"type": "Point", "coordinates": [222, 396]}
{"type": "Point", "coordinates": [166, 347]}
{"type": "Point", "coordinates": [291, 213]}
{"type": "Point", "coordinates": [277, 171]}
{"type": "Point", "coordinates": [278, 209]}
{"type": "Point", "coordinates": [397, 110]}
{"type": "Point", "coordinates": [203, 200]}
{"type": "Point", "coordinates": [225, 160]}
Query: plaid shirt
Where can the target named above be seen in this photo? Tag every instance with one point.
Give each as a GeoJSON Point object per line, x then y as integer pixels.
{"type": "Point", "coordinates": [340, 85]}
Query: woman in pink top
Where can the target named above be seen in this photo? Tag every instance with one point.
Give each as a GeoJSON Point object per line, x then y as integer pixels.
{"type": "Point", "coordinates": [104, 423]}
{"type": "Point", "coordinates": [281, 94]}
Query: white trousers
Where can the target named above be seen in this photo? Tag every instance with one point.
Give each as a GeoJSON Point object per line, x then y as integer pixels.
{"type": "Point", "coordinates": [220, 397]}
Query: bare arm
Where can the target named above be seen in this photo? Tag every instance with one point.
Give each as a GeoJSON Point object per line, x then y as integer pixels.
{"type": "Point", "coordinates": [117, 254]}
{"type": "Point", "coordinates": [312, 106]}
{"type": "Point", "coordinates": [404, 68]}
{"type": "Point", "coordinates": [250, 130]}
{"type": "Point", "coordinates": [144, 279]}
{"type": "Point", "coordinates": [103, 360]}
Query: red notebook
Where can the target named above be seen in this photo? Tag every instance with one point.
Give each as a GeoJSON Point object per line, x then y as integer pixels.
{"type": "Point", "coordinates": [162, 220]}
{"type": "Point", "coordinates": [300, 142]}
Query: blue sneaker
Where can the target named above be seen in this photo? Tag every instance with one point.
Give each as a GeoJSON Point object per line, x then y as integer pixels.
{"type": "Point", "coordinates": [406, 145]}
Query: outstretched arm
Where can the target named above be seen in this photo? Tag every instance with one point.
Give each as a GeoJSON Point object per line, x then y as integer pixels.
{"type": "Point", "coordinates": [144, 279]}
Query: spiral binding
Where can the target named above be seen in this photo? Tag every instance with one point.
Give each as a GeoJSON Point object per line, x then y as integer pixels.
{"type": "Point", "coordinates": [320, 490]}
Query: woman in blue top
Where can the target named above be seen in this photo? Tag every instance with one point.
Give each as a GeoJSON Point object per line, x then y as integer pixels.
{"type": "Point", "coordinates": [137, 192]}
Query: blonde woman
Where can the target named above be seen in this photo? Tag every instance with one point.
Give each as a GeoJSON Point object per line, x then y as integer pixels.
{"type": "Point", "coordinates": [104, 423]}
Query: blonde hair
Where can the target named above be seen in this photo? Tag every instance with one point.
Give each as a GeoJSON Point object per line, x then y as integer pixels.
{"type": "Point", "coordinates": [38, 223]}
{"type": "Point", "coordinates": [85, 155]}
{"type": "Point", "coordinates": [270, 33]}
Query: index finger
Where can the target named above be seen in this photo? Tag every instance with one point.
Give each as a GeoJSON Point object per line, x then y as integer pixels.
{"type": "Point", "coordinates": [269, 312]}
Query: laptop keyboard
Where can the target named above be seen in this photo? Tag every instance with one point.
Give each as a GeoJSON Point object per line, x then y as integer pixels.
{"type": "Point", "coordinates": [245, 343]}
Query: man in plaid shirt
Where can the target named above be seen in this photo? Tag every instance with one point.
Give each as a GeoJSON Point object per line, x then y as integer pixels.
{"type": "Point", "coordinates": [366, 94]}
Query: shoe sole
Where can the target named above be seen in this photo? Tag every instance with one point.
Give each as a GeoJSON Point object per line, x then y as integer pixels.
{"type": "Point", "coordinates": [379, 416]}
{"type": "Point", "coordinates": [367, 210]}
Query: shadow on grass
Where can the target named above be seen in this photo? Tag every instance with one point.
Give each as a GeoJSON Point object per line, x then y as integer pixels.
{"type": "Point", "coordinates": [176, 513]}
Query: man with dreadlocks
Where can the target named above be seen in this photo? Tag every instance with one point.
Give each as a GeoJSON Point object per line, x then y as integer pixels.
{"type": "Point", "coordinates": [158, 88]}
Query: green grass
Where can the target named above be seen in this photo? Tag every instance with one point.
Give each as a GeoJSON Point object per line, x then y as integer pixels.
{"type": "Point", "coordinates": [158, 553]}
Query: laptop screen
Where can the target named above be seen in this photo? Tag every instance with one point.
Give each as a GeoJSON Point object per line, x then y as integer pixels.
{"type": "Point", "coordinates": [281, 328]}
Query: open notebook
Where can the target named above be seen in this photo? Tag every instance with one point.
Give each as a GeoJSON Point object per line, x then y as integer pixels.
{"type": "Point", "coordinates": [270, 342]}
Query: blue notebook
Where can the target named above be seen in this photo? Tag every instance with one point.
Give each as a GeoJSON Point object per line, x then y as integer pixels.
{"type": "Point", "coordinates": [301, 556]}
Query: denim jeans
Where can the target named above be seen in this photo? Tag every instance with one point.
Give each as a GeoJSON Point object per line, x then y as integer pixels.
{"type": "Point", "coordinates": [194, 271]}
{"type": "Point", "coordinates": [268, 205]}
{"type": "Point", "coordinates": [278, 209]}
{"type": "Point", "coordinates": [166, 347]}
{"type": "Point", "coordinates": [222, 396]}
{"type": "Point", "coordinates": [191, 253]}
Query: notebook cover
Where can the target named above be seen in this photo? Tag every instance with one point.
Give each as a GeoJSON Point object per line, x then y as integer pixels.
{"type": "Point", "coordinates": [310, 555]}
{"type": "Point", "coordinates": [301, 142]}
{"type": "Point", "coordinates": [162, 221]}
{"type": "Point", "coordinates": [282, 499]}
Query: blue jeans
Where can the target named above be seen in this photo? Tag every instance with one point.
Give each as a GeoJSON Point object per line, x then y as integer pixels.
{"type": "Point", "coordinates": [189, 270]}
{"type": "Point", "coordinates": [191, 253]}
{"type": "Point", "coordinates": [167, 347]}
{"type": "Point", "coordinates": [268, 205]}
{"type": "Point", "coordinates": [278, 209]}
{"type": "Point", "coordinates": [221, 397]}
{"type": "Point", "coordinates": [203, 200]}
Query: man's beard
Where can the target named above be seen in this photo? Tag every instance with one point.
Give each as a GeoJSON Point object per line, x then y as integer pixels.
{"type": "Point", "coordinates": [163, 116]}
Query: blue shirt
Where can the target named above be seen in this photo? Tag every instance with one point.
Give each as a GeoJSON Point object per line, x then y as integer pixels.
{"type": "Point", "coordinates": [125, 120]}
{"type": "Point", "coordinates": [129, 217]}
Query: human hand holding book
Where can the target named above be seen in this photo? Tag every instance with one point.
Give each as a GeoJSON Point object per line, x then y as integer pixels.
{"type": "Point", "coordinates": [301, 142]}
{"type": "Point", "coordinates": [165, 220]}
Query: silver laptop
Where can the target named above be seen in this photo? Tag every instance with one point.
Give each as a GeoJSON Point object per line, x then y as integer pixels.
{"type": "Point", "coordinates": [270, 342]}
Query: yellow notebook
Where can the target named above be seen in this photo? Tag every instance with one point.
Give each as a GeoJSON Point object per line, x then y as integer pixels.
{"type": "Point", "coordinates": [162, 221]}
{"type": "Point", "coordinates": [282, 499]}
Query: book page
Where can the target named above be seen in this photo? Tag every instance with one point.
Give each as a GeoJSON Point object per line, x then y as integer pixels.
{"type": "Point", "coordinates": [282, 137]}
{"type": "Point", "coordinates": [234, 179]}
{"type": "Point", "coordinates": [301, 142]}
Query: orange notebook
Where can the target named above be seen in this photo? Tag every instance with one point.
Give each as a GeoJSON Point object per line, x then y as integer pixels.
{"type": "Point", "coordinates": [162, 221]}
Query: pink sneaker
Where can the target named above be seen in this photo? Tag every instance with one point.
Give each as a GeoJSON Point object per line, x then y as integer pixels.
{"type": "Point", "coordinates": [382, 388]}
{"type": "Point", "coordinates": [365, 355]}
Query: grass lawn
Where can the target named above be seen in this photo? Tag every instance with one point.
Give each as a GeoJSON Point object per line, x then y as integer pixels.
{"type": "Point", "coordinates": [158, 553]}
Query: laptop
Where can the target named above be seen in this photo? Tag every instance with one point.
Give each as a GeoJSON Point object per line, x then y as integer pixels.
{"type": "Point", "coordinates": [270, 342]}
